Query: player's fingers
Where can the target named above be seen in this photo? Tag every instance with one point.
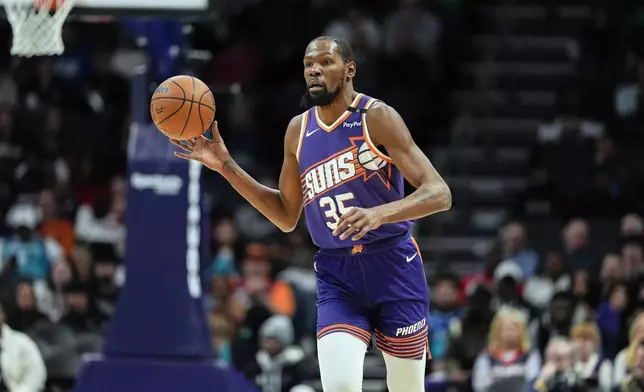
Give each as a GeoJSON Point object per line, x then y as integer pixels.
{"type": "Point", "coordinates": [345, 220]}
{"type": "Point", "coordinates": [181, 145]}
{"type": "Point", "coordinates": [363, 231]}
{"type": "Point", "coordinates": [356, 226]}
{"type": "Point", "coordinates": [182, 155]}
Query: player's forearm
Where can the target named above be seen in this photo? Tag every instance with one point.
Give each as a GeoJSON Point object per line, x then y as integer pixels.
{"type": "Point", "coordinates": [266, 200]}
{"type": "Point", "coordinates": [428, 199]}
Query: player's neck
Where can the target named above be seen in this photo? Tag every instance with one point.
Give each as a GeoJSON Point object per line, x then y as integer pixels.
{"type": "Point", "coordinates": [331, 112]}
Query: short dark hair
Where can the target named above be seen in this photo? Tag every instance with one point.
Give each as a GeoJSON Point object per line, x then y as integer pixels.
{"type": "Point", "coordinates": [343, 47]}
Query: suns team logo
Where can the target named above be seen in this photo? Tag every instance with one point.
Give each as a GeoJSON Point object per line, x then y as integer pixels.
{"type": "Point", "coordinates": [354, 162]}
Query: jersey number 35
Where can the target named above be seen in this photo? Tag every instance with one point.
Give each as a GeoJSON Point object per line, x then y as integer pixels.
{"type": "Point", "coordinates": [334, 207]}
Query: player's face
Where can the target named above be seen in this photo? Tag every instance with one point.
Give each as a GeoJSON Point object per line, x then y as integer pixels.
{"type": "Point", "coordinates": [325, 72]}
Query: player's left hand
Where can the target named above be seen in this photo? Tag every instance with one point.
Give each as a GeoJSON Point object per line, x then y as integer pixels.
{"type": "Point", "coordinates": [359, 221]}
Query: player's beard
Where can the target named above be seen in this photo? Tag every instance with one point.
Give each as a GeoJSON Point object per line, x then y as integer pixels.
{"type": "Point", "coordinates": [322, 98]}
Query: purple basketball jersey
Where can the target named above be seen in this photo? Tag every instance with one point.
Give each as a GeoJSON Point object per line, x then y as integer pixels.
{"type": "Point", "coordinates": [340, 168]}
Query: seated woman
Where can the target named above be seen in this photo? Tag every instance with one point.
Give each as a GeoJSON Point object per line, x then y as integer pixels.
{"type": "Point", "coordinates": [509, 363]}
{"type": "Point", "coordinates": [588, 363]}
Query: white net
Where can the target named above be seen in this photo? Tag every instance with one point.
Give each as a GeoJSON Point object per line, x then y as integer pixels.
{"type": "Point", "coordinates": [37, 26]}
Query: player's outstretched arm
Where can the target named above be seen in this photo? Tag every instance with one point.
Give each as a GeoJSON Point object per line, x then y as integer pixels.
{"type": "Point", "coordinates": [432, 195]}
{"type": "Point", "coordinates": [281, 206]}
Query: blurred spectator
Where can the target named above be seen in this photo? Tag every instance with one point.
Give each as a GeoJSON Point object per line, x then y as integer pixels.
{"type": "Point", "coordinates": [634, 381]}
{"type": "Point", "coordinates": [613, 270]}
{"type": "Point", "coordinates": [104, 222]}
{"type": "Point", "coordinates": [106, 287]}
{"type": "Point", "coordinates": [633, 258]}
{"type": "Point", "coordinates": [627, 96]}
{"type": "Point", "coordinates": [80, 316]}
{"type": "Point", "coordinates": [238, 63]}
{"type": "Point", "coordinates": [555, 322]}
{"type": "Point", "coordinates": [468, 336]}
{"type": "Point", "coordinates": [49, 293]}
{"type": "Point", "coordinates": [357, 28]}
{"type": "Point", "coordinates": [52, 225]}
{"type": "Point", "coordinates": [34, 254]}
{"type": "Point", "coordinates": [81, 264]}
{"type": "Point", "coordinates": [539, 289]}
{"type": "Point", "coordinates": [279, 364]}
{"type": "Point", "coordinates": [577, 254]}
{"type": "Point", "coordinates": [26, 314]}
{"type": "Point", "coordinates": [589, 365]}
{"type": "Point", "coordinates": [586, 295]}
{"type": "Point", "coordinates": [412, 27]}
{"type": "Point", "coordinates": [226, 246]}
{"type": "Point", "coordinates": [632, 225]}
{"type": "Point", "coordinates": [558, 370]}
{"type": "Point", "coordinates": [445, 311]}
{"type": "Point", "coordinates": [610, 319]}
{"type": "Point", "coordinates": [514, 247]}
{"type": "Point", "coordinates": [222, 332]}
{"type": "Point", "coordinates": [21, 363]}
{"type": "Point", "coordinates": [258, 286]}
{"type": "Point", "coordinates": [509, 362]}
{"type": "Point", "coordinates": [621, 367]}
{"type": "Point", "coordinates": [508, 288]}
{"type": "Point", "coordinates": [485, 277]}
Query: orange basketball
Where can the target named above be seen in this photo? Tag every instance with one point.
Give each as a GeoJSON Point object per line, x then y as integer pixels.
{"type": "Point", "coordinates": [183, 107]}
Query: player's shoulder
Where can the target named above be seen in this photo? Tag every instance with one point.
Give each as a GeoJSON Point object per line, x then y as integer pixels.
{"type": "Point", "coordinates": [293, 130]}
{"type": "Point", "coordinates": [379, 110]}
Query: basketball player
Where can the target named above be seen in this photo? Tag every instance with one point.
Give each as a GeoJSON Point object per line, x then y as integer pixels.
{"type": "Point", "coordinates": [344, 162]}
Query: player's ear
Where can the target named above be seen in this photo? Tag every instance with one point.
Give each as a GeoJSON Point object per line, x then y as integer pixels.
{"type": "Point", "coordinates": [350, 70]}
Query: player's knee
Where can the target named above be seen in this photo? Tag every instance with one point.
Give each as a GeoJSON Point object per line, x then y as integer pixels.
{"type": "Point", "coordinates": [405, 375]}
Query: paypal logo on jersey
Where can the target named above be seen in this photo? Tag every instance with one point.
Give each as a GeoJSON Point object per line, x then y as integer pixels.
{"type": "Point", "coordinates": [352, 124]}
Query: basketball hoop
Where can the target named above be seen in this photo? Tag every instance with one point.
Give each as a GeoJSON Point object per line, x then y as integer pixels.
{"type": "Point", "coordinates": [37, 26]}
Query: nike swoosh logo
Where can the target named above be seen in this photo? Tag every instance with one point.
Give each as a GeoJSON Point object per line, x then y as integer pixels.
{"type": "Point", "coordinates": [309, 133]}
{"type": "Point", "coordinates": [410, 258]}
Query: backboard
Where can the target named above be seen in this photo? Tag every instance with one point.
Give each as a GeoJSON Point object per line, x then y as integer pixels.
{"type": "Point", "coordinates": [172, 8]}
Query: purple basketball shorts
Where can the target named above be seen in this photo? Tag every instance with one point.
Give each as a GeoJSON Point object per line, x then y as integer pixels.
{"type": "Point", "coordinates": [376, 288]}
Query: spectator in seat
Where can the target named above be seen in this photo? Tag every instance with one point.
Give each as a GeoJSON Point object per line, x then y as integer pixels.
{"type": "Point", "coordinates": [485, 277]}
{"type": "Point", "coordinates": [633, 258]}
{"type": "Point", "coordinates": [539, 289]}
{"type": "Point", "coordinates": [621, 366]}
{"type": "Point", "coordinates": [610, 319]}
{"type": "Point", "coordinates": [257, 284]}
{"type": "Point", "coordinates": [34, 254]}
{"type": "Point", "coordinates": [634, 382]}
{"type": "Point", "coordinates": [509, 363]}
{"type": "Point", "coordinates": [468, 337]}
{"type": "Point", "coordinates": [52, 225]}
{"type": "Point", "coordinates": [279, 365]}
{"type": "Point", "coordinates": [49, 294]}
{"type": "Point", "coordinates": [632, 225]}
{"type": "Point", "coordinates": [513, 237]}
{"type": "Point", "coordinates": [106, 288]}
{"type": "Point", "coordinates": [613, 270]}
{"type": "Point", "coordinates": [588, 362]}
{"type": "Point", "coordinates": [79, 314]}
{"type": "Point", "coordinates": [21, 363]}
{"type": "Point", "coordinates": [576, 253]}
{"type": "Point", "coordinates": [556, 322]}
{"type": "Point", "coordinates": [558, 361]}
{"type": "Point", "coordinates": [26, 314]}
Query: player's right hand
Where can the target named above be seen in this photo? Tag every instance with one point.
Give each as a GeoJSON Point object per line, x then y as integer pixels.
{"type": "Point", "coordinates": [211, 153]}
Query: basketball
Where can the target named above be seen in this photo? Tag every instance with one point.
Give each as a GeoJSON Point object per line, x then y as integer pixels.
{"type": "Point", "coordinates": [368, 159]}
{"type": "Point", "coordinates": [182, 107]}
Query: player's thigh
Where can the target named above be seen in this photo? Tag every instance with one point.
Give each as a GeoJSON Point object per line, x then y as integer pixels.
{"type": "Point", "coordinates": [404, 374]}
{"type": "Point", "coordinates": [402, 330]}
{"type": "Point", "coordinates": [341, 359]}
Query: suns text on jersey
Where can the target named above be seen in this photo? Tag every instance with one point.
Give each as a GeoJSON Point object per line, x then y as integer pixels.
{"type": "Point", "coordinates": [329, 174]}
